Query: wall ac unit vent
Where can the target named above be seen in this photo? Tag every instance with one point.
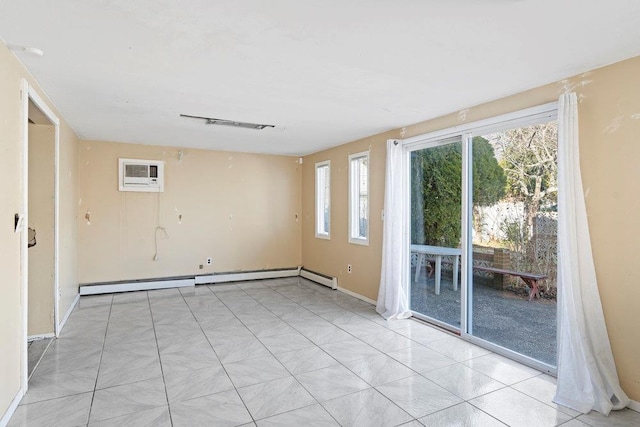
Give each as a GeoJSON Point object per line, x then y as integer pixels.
{"type": "Point", "coordinates": [141, 175]}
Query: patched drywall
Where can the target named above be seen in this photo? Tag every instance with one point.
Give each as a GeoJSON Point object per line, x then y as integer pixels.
{"type": "Point", "coordinates": [239, 209]}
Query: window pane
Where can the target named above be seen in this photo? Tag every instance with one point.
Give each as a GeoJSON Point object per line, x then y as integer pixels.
{"type": "Point", "coordinates": [323, 217]}
{"type": "Point", "coordinates": [325, 201]}
{"type": "Point", "coordinates": [436, 230]}
{"type": "Point", "coordinates": [515, 231]}
{"type": "Point", "coordinates": [363, 198]}
{"type": "Point", "coordinates": [359, 198]}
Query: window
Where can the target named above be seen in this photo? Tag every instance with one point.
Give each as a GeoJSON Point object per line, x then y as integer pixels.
{"type": "Point", "coordinates": [359, 198]}
{"type": "Point", "coordinates": [323, 199]}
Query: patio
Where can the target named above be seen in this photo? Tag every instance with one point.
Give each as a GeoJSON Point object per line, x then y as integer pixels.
{"type": "Point", "coordinates": [499, 316]}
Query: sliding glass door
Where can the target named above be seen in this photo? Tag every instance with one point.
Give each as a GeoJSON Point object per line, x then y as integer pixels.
{"type": "Point", "coordinates": [512, 285]}
{"type": "Point", "coordinates": [436, 197]}
{"type": "Point", "coordinates": [482, 235]}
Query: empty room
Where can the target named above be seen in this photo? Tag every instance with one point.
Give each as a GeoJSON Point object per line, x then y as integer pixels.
{"type": "Point", "coordinates": [325, 213]}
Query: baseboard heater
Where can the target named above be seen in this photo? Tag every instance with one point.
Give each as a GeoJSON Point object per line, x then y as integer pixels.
{"type": "Point", "coordinates": [136, 285]}
{"type": "Point", "coordinates": [240, 276]}
{"type": "Point", "coordinates": [184, 281]}
{"type": "Point", "coordinates": [320, 278]}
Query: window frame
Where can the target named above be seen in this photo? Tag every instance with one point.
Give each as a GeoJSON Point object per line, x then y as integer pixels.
{"type": "Point", "coordinates": [320, 203]}
{"type": "Point", "coordinates": [354, 198]}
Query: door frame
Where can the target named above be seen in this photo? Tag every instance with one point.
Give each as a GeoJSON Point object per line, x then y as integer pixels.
{"type": "Point", "coordinates": [424, 143]}
{"type": "Point", "coordinates": [466, 132]}
{"type": "Point", "coordinates": [29, 93]}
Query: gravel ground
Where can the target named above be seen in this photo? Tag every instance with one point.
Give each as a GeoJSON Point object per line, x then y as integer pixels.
{"type": "Point", "coordinates": [501, 317]}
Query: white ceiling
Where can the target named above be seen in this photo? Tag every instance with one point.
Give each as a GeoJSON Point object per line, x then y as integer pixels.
{"type": "Point", "coordinates": [324, 72]}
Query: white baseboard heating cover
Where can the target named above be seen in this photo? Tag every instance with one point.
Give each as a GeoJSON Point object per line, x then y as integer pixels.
{"type": "Point", "coordinates": [239, 276]}
{"type": "Point", "coordinates": [177, 282]}
{"type": "Point", "coordinates": [136, 285]}
{"type": "Point", "coordinates": [323, 279]}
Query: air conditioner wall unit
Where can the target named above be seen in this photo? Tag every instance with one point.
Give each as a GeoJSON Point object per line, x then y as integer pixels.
{"type": "Point", "coordinates": [141, 175]}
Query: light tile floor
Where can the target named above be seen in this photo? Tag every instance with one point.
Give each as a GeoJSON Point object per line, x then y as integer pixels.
{"type": "Point", "coordinates": [35, 351]}
{"type": "Point", "coordinates": [280, 352]}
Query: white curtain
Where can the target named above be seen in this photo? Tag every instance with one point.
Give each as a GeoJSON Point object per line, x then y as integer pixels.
{"type": "Point", "coordinates": [393, 301]}
{"type": "Point", "coordinates": [587, 377]}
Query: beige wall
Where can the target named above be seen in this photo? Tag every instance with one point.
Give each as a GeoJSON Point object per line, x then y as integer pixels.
{"type": "Point", "coordinates": [609, 127]}
{"type": "Point", "coordinates": [332, 256]}
{"type": "Point", "coordinates": [11, 122]}
{"type": "Point", "coordinates": [41, 218]}
{"type": "Point", "coordinates": [10, 203]}
{"type": "Point", "coordinates": [68, 211]}
{"type": "Point", "coordinates": [239, 209]}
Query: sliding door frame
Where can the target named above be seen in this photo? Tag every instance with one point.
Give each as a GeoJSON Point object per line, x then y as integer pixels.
{"type": "Point", "coordinates": [466, 132]}
{"type": "Point", "coordinates": [408, 149]}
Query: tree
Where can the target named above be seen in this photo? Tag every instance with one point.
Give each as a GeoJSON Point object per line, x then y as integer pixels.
{"type": "Point", "coordinates": [436, 175]}
{"type": "Point", "coordinates": [530, 162]}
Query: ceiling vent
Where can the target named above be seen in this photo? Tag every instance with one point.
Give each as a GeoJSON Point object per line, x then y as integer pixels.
{"type": "Point", "coordinates": [232, 123]}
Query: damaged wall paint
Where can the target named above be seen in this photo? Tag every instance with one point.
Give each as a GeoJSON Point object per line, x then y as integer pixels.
{"type": "Point", "coordinates": [462, 114]}
{"type": "Point", "coordinates": [610, 178]}
{"type": "Point", "coordinates": [203, 196]}
{"type": "Point", "coordinates": [614, 125]}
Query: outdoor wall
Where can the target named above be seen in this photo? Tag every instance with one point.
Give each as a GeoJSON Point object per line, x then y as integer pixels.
{"type": "Point", "coordinates": [242, 210]}
{"type": "Point", "coordinates": [609, 113]}
{"type": "Point", "coordinates": [41, 218]}
{"type": "Point", "coordinates": [11, 185]}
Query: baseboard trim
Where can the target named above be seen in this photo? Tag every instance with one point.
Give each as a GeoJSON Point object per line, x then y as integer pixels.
{"type": "Point", "coordinates": [40, 336]}
{"type": "Point", "coordinates": [358, 296]}
{"type": "Point", "coordinates": [176, 282]}
{"type": "Point", "coordinates": [634, 405]}
{"type": "Point", "coordinates": [66, 316]}
{"type": "Point", "coordinates": [142, 285]}
{"type": "Point", "coordinates": [246, 275]}
{"type": "Point", "coordinates": [322, 279]}
{"type": "Point", "coordinates": [12, 408]}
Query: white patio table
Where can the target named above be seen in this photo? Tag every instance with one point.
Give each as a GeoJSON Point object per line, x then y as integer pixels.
{"type": "Point", "coordinates": [438, 251]}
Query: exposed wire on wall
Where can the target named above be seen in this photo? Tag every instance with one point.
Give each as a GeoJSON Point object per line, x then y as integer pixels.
{"type": "Point", "coordinates": [158, 209]}
{"type": "Point", "coordinates": [166, 236]}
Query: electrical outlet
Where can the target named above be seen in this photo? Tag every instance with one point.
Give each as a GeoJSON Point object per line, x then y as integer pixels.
{"type": "Point", "coordinates": [349, 268]}
{"type": "Point", "coordinates": [201, 266]}
{"type": "Point", "coordinates": [209, 261]}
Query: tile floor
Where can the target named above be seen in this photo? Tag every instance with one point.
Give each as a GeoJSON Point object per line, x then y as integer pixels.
{"type": "Point", "coordinates": [280, 352]}
{"type": "Point", "coordinates": [35, 351]}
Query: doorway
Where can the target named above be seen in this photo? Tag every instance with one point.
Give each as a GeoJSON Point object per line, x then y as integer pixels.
{"type": "Point", "coordinates": [482, 233]}
{"type": "Point", "coordinates": [39, 243]}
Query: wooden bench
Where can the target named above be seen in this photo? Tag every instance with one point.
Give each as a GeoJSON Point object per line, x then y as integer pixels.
{"type": "Point", "coordinates": [531, 279]}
